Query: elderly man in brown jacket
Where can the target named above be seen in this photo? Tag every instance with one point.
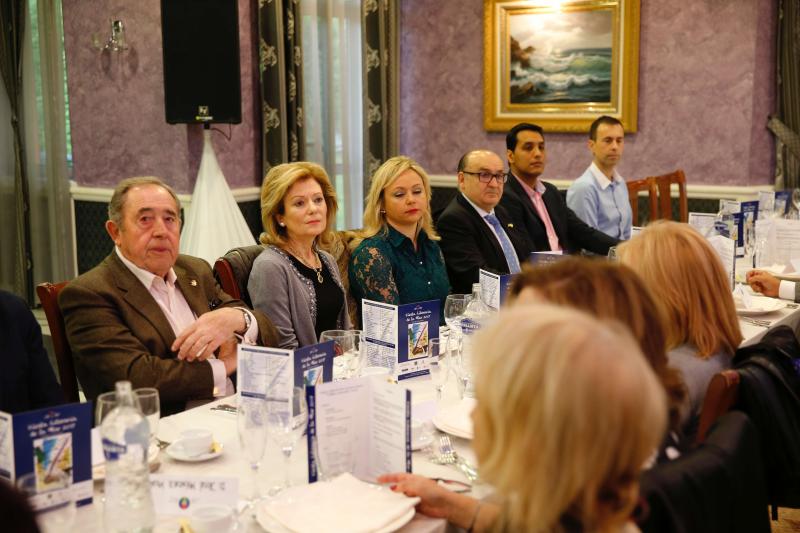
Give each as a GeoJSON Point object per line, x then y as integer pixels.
{"type": "Point", "coordinates": [151, 316]}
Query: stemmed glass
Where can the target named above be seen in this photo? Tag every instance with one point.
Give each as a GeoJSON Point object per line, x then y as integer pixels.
{"type": "Point", "coordinates": [251, 424]}
{"type": "Point", "coordinates": [287, 418]}
{"type": "Point", "coordinates": [150, 405]}
{"type": "Point", "coordinates": [103, 405]}
{"type": "Point", "coordinates": [454, 307]}
{"type": "Point", "coordinates": [343, 344]}
{"type": "Point", "coordinates": [439, 364]}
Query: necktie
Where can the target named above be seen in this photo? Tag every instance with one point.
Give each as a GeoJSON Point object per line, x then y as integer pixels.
{"type": "Point", "coordinates": [505, 244]}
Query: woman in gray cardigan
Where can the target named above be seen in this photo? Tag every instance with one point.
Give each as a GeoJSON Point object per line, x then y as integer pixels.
{"type": "Point", "coordinates": [297, 285]}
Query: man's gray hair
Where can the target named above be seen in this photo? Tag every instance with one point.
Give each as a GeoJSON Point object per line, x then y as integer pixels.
{"type": "Point", "coordinates": [121, 191]}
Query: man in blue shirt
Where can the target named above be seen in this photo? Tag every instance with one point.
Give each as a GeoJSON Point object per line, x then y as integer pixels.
{"type": "Point", "coordinates": [600, 197]}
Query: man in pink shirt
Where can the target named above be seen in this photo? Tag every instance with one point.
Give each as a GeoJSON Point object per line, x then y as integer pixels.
{"type": "Point", "coordinates": [537, 206]}
{"type": "Point", "coordinates": [151, 316]}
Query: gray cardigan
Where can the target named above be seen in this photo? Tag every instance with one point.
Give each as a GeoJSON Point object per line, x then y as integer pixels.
{"type": "Point", "coordinates": [287, 297]}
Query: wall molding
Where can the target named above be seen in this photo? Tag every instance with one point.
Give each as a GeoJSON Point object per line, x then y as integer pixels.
{"type": "Point", "coordinates": [693, 190]}
{"type": "Point", "coordinates": [102, 194]}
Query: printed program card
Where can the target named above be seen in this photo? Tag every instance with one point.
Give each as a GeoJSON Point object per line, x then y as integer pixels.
{"type": "Point", "coordinates": [272, 372]}
{"type": "Point", "coordinates": [726, 249]}
{"type": "Point", "coordinates": [50, 442]}
{"type": "Point", "coordinates": [360, 425]}
{"type": "Point", "coordinates": [397, 336]}
{"type": "Point", "coordinates": [703, 223]}
{"type": "Point", "coordinates": [494, 288]}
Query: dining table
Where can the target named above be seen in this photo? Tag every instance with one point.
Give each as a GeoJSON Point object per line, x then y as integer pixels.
{"type": "Point", "coordinates": [220, 417]}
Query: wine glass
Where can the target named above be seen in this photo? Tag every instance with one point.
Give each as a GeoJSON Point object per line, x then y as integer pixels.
{"type": "Point", "coordinates": [454, 307]}
{"type": "Point", "coordinates": [439, 364]}
{"type": "Point", "coordinates": [286, 419]}
{"type": "Point", "coordinates": [343, 346]}
{"type": "Point", "coordinates": [150, 405]}
{"type": "Point", "coordinates": [463, 370]}
{"type": "Point", "coordinates": [103, 405]}
{"type": "Point", "coordinates": [251, 424]}
{"type": "Point", "coordinates": [53, 503]}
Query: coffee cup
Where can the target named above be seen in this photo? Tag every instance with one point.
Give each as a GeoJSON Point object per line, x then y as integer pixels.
{"type": "Point", "coordinates": [212, 519]}
{"type": "Point", "coordinates": [196, 441]}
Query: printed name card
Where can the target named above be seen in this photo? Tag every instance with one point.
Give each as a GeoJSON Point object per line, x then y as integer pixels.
{"type": "Point", "coordinates": [51, 443]}
{"type": "Point", "coordinates": [360, 425]}
{"type": "Point", "coordinates": [266, 371]}
{"type": "Point", "coordinates": [545, 258]}
{"type": "Point", "coordinates": [179, 495]}
{"type": "Point", "coordinates": [398, 335]}
{"type": "Point", "coordinates": [494, 287]}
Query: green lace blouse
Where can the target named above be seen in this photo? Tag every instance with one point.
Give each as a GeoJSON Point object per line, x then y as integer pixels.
{"type": "Point", "coordinates": [386, 268]}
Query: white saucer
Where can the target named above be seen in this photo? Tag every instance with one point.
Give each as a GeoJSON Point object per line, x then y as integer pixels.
{"type": "Point", "coordinates": [175, 451]}
{"type": "Point", "coordinates": [455, 419]}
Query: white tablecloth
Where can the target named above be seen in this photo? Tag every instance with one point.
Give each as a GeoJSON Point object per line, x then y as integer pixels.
{"type": "Point", "coordinates": [223, 424]}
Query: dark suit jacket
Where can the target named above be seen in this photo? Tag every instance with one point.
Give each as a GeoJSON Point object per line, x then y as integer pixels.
{"type": "Point", "coordinates": [468, 244]}
{"type": "Point", "coordinates": [117, 331]}
{"type": "Point", "coordinates": [573, 233]}
{"type": "Point", "coordinates": [27, 380]}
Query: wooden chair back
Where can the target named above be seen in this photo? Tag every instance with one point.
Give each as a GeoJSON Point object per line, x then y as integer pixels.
{"type": "Point", "coordinates": [664, 184]}
{"type": "Point", "coordinates": [634, 187]}
{"type": "Point", "coordinates": [721, 396]}
{"type": "Point", "coordinates": [48, 296]}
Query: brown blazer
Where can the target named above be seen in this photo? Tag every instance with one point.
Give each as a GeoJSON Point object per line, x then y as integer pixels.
{"type": "Point", "coordinates": [117, 331]}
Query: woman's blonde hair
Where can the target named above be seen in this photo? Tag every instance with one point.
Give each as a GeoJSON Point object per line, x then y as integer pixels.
{"type": "Point", "coordinates": [609, 290]}
{"type": "Point", "coordinates": [687, 278]}
{"type": "Point", "coordinates": [568, 411]}
{"type": "Point", "coordinates": [374, 214]}
{"type": "Point", "coordinates": [277, 183]}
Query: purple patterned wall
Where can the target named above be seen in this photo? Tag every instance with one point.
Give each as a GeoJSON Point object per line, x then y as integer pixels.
{"type": "Point", "coordinates": [117, 102]}
{"type": "Point", "coordinates": [706, 86]}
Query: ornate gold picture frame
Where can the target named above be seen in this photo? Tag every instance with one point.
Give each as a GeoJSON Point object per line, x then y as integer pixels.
{"type": "Point", "coordinates": [560, 64]}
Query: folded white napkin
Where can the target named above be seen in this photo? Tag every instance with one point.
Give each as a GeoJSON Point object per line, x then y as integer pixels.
{"type": "Point", "coordinates": [344, 504]}
{"type": "Point", "coordinates": [457, 418]}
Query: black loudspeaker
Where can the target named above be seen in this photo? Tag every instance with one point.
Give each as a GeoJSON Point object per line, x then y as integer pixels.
{"type": "Point", "coordinates": [201, 61]}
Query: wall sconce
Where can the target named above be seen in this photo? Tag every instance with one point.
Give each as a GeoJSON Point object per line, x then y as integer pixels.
{"type": "Point", "coordinates": [116, 42]}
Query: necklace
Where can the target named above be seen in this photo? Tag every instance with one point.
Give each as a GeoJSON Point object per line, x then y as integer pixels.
{"type": "Point", "coordinates": [317, 271]}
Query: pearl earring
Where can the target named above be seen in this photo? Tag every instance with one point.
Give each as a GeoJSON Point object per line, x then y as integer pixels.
{"type": "Point", "coordinates": [281, 224]}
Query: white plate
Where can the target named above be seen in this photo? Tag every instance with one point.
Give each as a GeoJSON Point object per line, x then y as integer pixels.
{"type": "Point", "coordinates": [99, 470]}
{"type": "Point", "coordinates": [175, 451]}
{"type": "Point", "coordinates": [271, 525]}
{"type": "Point", "coordinates": [762, 305]}
{"type": "Point", "coordinates": [455, 419]}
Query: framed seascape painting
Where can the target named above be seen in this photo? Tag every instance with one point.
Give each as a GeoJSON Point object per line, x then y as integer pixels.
{"type": "Point", "coordinates": [560, 63]}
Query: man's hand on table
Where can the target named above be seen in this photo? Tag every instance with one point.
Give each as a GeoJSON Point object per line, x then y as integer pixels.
{"type": "Point", "coordinates": [763, 282]}
{"type": "Point", "coordinates": [207, 333]}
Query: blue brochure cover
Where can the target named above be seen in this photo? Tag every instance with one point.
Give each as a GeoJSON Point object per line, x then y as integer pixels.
{"type": "Point", "coordinates": [545, 258]}
{"type": "Point", "coordinates": [49, 442]}
{"type": "Point", "coordinates": [747, 215]}
{"type": "Point", "coordinates": [494, 288]}
{"type": "Point", "coordinates": [313, 364]}
{"type": "Point", "coordinates": [418, 323]}
{"type": "Point", "coordinates": [783, 201]}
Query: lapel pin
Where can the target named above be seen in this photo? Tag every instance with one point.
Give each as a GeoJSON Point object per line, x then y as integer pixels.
{"type": "Point", "coordinates": [511, 225]}
{"type": "Point", "coordinates": [193, 283]}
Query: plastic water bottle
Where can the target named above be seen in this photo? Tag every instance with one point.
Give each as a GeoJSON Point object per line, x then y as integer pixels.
{"type": "Point", "coordinates": [126, 437]}
{"type": "Point", "coordinates": [476, 312]}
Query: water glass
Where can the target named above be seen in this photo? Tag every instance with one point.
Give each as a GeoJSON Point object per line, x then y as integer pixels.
{"type": "Point", "coordinates": [439, 363]}
{"type": "Point", "coordinates": [344, 349]}
{"type": "Point", "coordinates": [463, 368]}
{"type": "Point", "coordinates": [53, 504]}
{"type": "Point", "coordinates": [251, 425]}
{"type": "Point", "coordinates": [287, 420]}
{"type": "Point", "coordinates": [150, 405]}
{"type": "Point", "coordinates": [454, 307]}
{"type": "Point", "coordinates": [103, 405]}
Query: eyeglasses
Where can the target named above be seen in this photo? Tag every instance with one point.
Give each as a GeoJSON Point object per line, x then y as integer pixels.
{"type": "Point", "coordinates": [486, 177]}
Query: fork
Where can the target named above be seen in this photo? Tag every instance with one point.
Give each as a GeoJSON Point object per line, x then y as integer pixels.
{"type": "Point", "coordinates": [757, 322]}
{"type": "Point", "coordinates": [449, 456]}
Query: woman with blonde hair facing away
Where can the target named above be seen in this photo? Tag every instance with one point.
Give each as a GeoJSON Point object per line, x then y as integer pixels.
{"type": "Point", "coordinates": [568, 410]}
{"type": "Point", "coordinates": [293, 281]}
{"type": "Point", "coordinates": [686, 276]}
{"type": "Point", "coordinates": [396, 259]}
{"type": "Point", "coordinates": [612, 291]}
